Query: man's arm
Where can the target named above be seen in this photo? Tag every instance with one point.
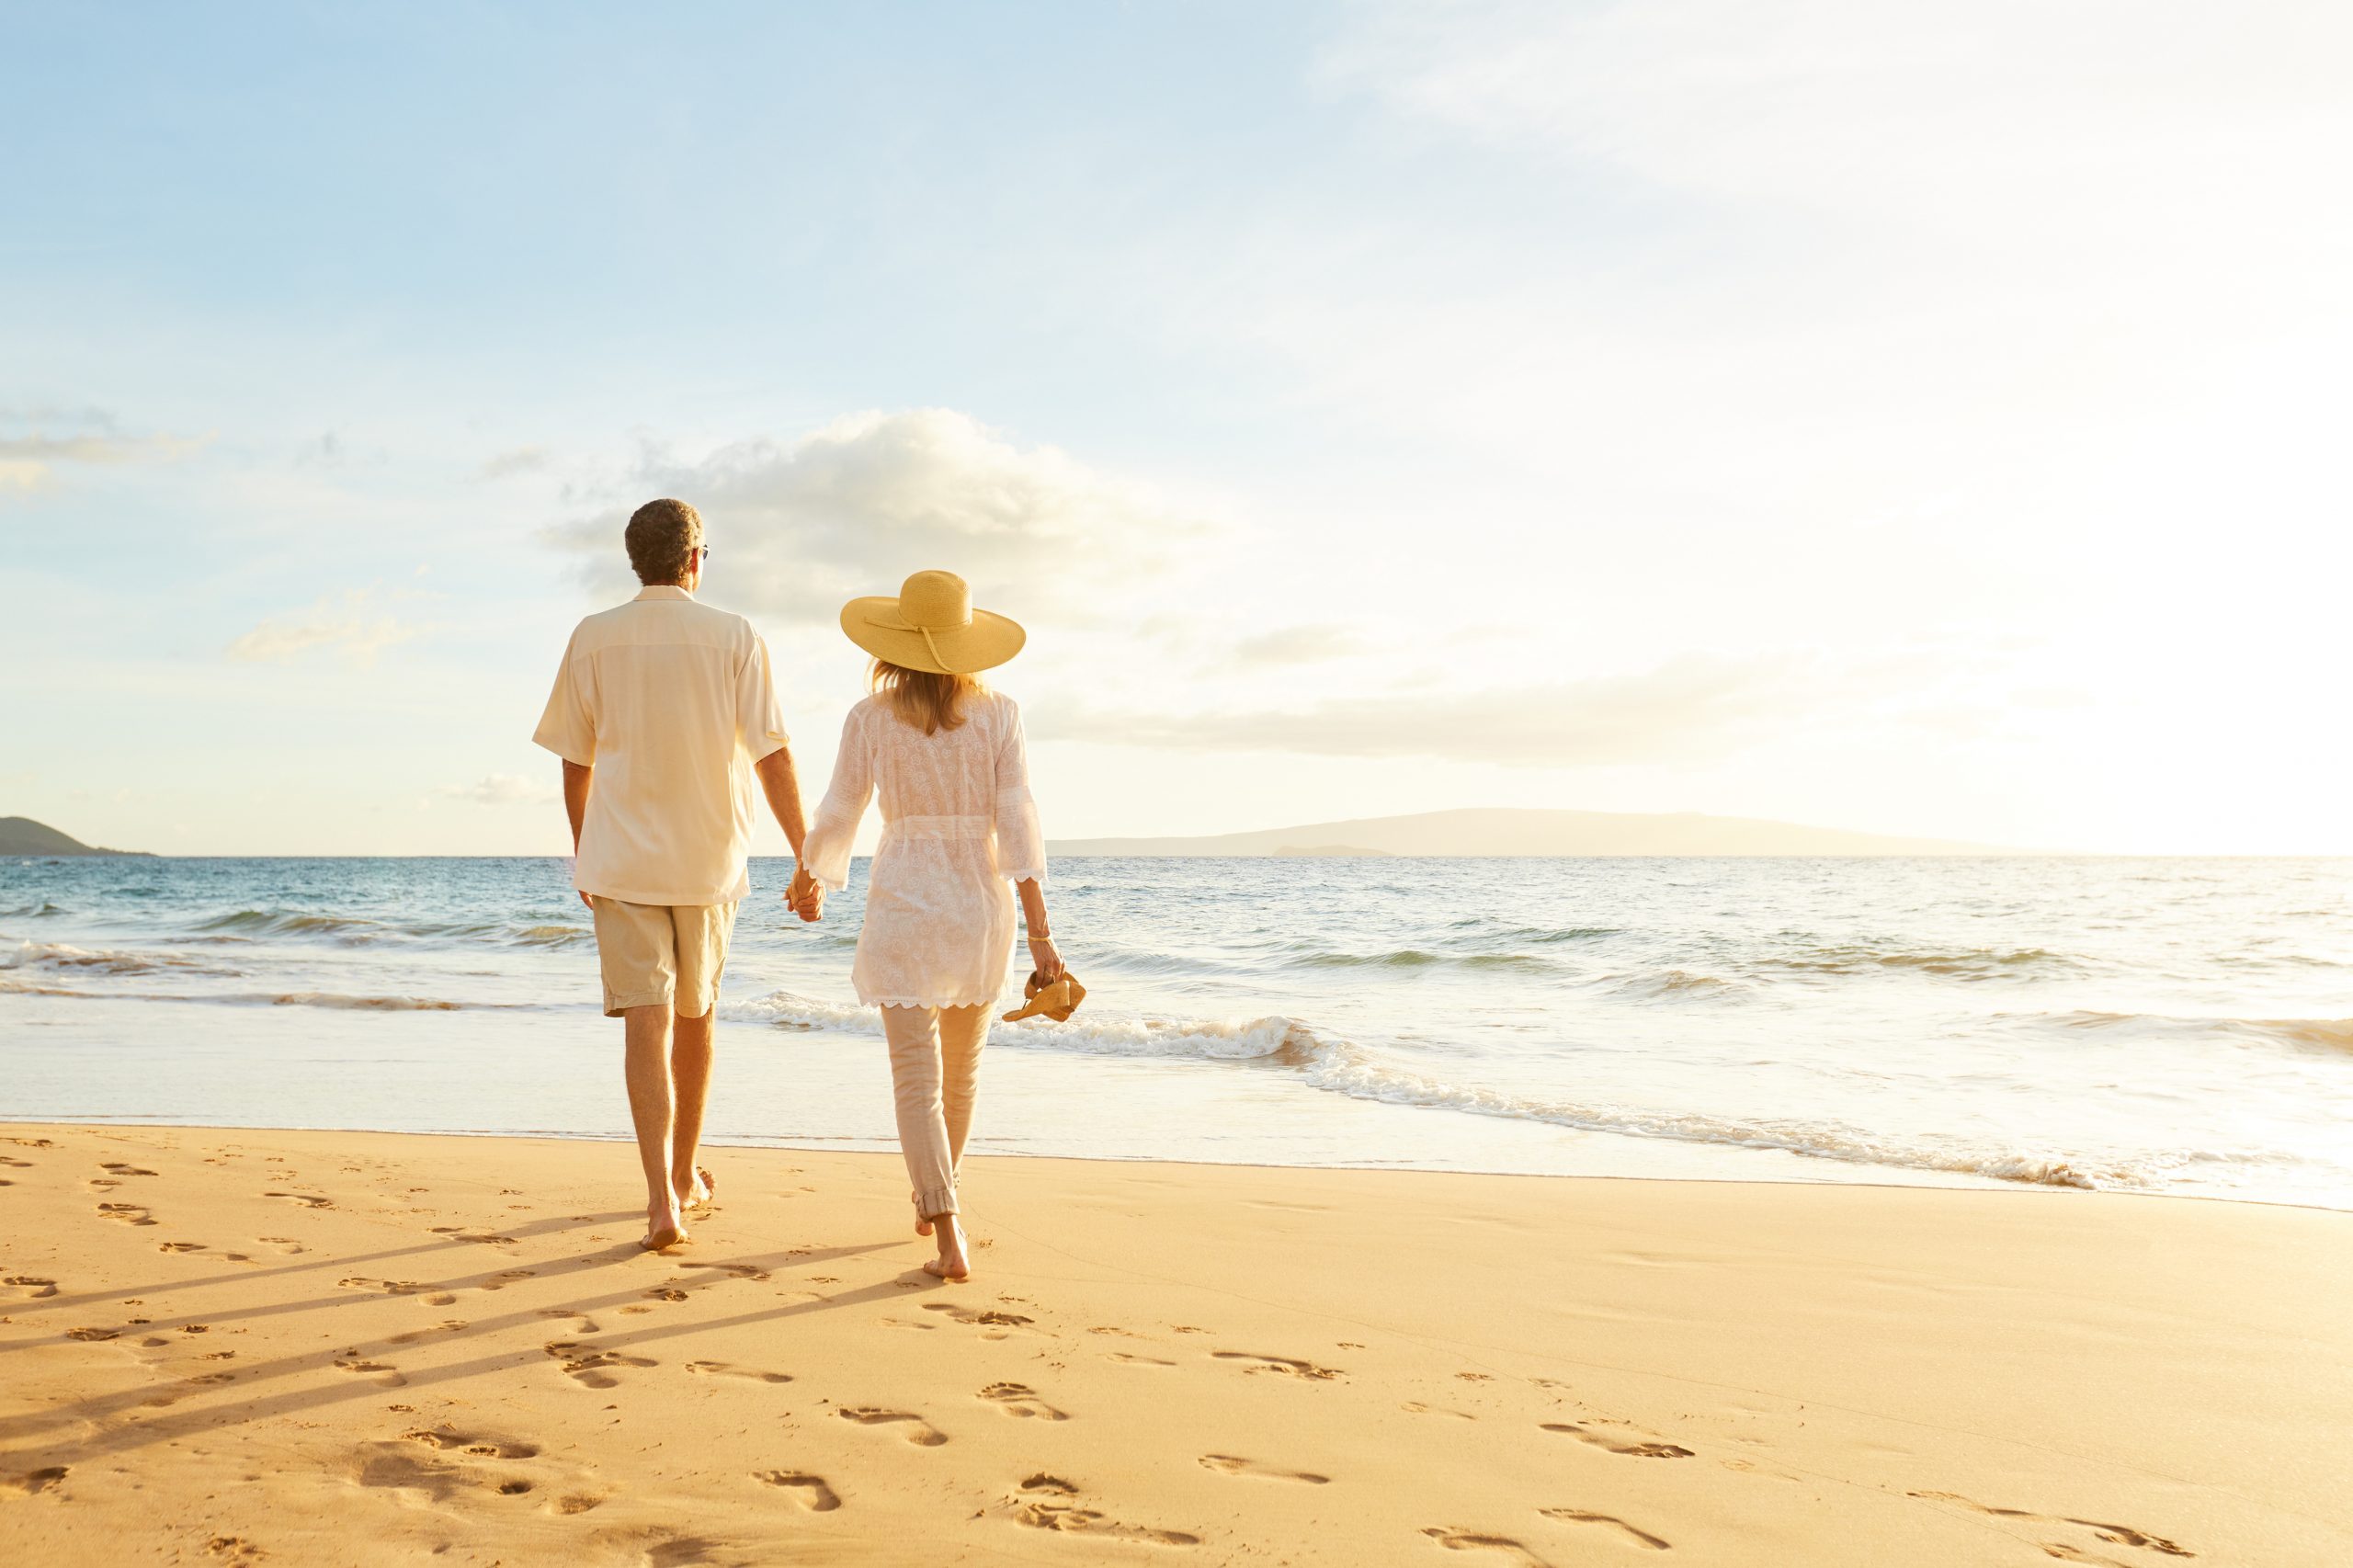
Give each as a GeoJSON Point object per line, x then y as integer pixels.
{"type": "Point", "coordinates": [575, 805]}
{"type": "Point", "coordinates": [781, 783]}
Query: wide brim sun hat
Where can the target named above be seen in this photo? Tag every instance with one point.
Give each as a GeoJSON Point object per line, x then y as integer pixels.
{"type": "Point", "coordinates": [931, 625]}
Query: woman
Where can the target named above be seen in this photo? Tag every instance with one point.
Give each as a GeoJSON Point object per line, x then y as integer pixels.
{"type": "Point", "coordinates": [946, 754]}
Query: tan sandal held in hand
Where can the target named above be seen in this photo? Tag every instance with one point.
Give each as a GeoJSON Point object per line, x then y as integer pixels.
{"type": "Point", "coordinates": [1057, 1001]}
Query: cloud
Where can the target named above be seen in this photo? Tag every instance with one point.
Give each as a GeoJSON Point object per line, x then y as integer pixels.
{"type": "Point", "coordinates": [798, 527]}
{"type": "Point", "coordinates": [502, 790]}
{"type": "Point", "coordinates": [1695, 705]}
{"type": "Point", "coordinates": [2063, 146]}
{"type": "Point", "coordinates": [348, 624]}
{"type": "Point", "coordinates": [516, 459]}
{"type": "Point", "coordinates": [1296, 645]}
{"type": "Point", "coordinates": [34, 441]}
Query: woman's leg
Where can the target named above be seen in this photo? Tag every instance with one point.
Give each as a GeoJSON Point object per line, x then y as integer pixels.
{"type": "Point", "coordinates": [962, 1032]}
{"type": "Point", "coordinates": [914, 1036]}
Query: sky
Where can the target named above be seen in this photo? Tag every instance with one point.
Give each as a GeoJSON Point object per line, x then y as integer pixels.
{"type": "Point", "coordinates": [1926, 418]}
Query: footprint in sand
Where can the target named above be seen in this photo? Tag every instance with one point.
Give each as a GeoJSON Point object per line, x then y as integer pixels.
{"type": "Point", "coordinates": [129, 1213]}
{"type": "Point", "coordinates": [447, 1325]}
{"type": "Point", "coordinates": [1472, 1540]}
{"type": "Point", "coordinates": [1285, 1365]}
{"type": "Point", "coordinates": [1049, 1503]}
{"type": "Point", "coordinates": [1640, 1538]}
{"type": "Point", "coordinates": [588, 1366]}
{"type": "Point", "coordinates": [2114, 1535]}
{"type": "Point", "coordinates": [504, 1277]}
{"type": "Point", "coordinates": [1020, 1399]}
{"type": "Point", "coordinates": [180, 1246]}
{"type": "Point", "coordinates": [728, 1369]}
{"type": "Point", "coordinates": [1417, 1408]}
{"type": "Point", "coordinates": [32, 1482]}
{"type": "Point", "coordinates": [120, 1169]}
{"type": "Point", "coordinates": [388, 1465]}
{"type": "Point", "coordinates": [588, 1324]}
{"type": "Point", "coordinates": [30, 1286]}
{"type": "Point", "coordinates": [18, 1163]}
{"type": "Point", "coordinates": [810, 1491]}
{"type": "Point", "coordinates": [382, 1374]}
{"type": "Point", "coordinates": [307, 1199]}
{"type": "Point", "coordinates": [1233, 1464]}
{"type": "Point", "coordinates": [384, 1286]}
{"type": "Point", "coordinates": [921, 1433]}
{"type": "Point", "coordinates": [482, 1445]}
{"type": "Point", "coordinates": [993, 1324]}
{"type": "Point", "coordinates": [94, 1334]}
{"type": "Point", "coordinates": [287, 1246]}
{"type": "Point", "coordinates": [1137, 1361]}
{"type": "Point", "coordinates": [1614, 1444]}
{"type": "Point", "coordinates": [666, 1294]}
{"type": "Point", "coordinates": [232, 1549]}
{"type": "Point", "coordinates": [751, 1272]}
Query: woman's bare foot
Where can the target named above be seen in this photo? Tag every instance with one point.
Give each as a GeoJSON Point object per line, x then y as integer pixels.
{"type": "Point", "coordinates": [664, 1227]}
{"type": "Point", "coordinates": [952, 1263]}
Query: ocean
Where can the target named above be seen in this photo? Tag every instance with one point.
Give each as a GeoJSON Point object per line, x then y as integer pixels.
{"type": "Point", "coordinates": [2164, 1025]}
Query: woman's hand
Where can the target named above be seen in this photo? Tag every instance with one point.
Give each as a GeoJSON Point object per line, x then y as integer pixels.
{"type": "Point", "coordinates": [1044, 959]}
{"type": "Point", "coordinates": [806, 895]}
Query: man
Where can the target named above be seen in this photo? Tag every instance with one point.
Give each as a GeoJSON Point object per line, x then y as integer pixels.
{"type": "Point", "coordinates": [664, 714]}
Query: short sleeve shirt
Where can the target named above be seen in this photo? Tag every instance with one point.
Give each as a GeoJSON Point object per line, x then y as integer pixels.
{"type": "Point", "coordinates": [672, 702]}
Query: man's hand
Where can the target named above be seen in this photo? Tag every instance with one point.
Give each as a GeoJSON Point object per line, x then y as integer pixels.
{"type": "Point", "coordinates": [806, 896]}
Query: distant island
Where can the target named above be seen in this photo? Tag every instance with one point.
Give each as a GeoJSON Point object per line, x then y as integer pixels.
{"type": "Point", "coordinates": [1505, 831]}
{"type": "Point", "coordinates": [22, 835]}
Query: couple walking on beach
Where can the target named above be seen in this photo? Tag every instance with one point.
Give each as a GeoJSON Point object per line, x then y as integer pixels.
{"type": "Point", "coordinates": [665, 713]}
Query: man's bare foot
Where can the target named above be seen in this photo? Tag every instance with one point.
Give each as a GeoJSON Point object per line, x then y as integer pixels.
{"type": "Point", "coordinates": [952, 1263]}
{"type": "Point", "coordinates": [702, 1188]}
{"type": "Point", "coordinates": [665, 1227]}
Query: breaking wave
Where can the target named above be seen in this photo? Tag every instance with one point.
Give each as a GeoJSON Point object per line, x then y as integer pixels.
{"type": "Point", "coordinates": [1340, 1066]}
{"type": "Point", "coordinates": [63, 956]}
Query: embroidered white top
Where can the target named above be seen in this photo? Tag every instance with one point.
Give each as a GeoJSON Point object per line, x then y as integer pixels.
{"type": "Point", "coordinates": [958, 827]}
{"type": "Point", "coordinates": [671, 702]}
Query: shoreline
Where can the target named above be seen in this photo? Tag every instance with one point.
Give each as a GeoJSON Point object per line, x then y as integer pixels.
{"type": "Point", "coordinates": [372, 1347]}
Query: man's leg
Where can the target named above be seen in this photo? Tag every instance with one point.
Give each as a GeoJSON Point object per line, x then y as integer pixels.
{"type": "Point", "coordinates": [651, 1107]}
{"type": "Point", "coordinates": [690, 1075]}
{"type": "Point", "coordinates": [635, 950]}
{"type": "Point", "coordinates": [702, 932]}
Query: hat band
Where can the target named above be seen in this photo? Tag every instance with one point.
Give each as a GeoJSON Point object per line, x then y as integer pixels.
{"type": "Point", "coordinates": [929, 642]}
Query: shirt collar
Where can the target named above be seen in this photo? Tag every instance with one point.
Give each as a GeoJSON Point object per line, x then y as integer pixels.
{"type": "Point", "coordinates": [661, 591]}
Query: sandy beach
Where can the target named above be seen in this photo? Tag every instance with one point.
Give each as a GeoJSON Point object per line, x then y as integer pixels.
{"type": "Point", "coordinates": [243, 1347]}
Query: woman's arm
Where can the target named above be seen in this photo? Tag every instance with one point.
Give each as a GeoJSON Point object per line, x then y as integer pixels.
{"type": "Point", "coordinates": [824, 854]}
{"type": "Point", "coordinates": [1042, 955]}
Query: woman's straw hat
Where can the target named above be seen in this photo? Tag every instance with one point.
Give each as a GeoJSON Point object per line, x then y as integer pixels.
{"type": "Point", "coordinates": [932, 625]}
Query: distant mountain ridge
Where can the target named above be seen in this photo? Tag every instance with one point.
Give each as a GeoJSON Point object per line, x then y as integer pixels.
{"type": "Point", "coordinates": [1535, 832]}
{"type": "Point", "coordinates": [22, 835]}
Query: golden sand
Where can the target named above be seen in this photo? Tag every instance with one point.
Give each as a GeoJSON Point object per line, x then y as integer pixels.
{"type": "Point", "coordinates": [294, 1348]}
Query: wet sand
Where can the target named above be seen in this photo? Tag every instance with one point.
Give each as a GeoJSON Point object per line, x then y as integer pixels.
{"type": "Point", "coordinates": [232, 1346]}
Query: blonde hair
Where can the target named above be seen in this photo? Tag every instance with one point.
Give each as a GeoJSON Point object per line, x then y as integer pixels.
{"type": "Point", "coordinates": [930, 702]}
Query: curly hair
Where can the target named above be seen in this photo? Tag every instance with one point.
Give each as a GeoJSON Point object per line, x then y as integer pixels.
{"type": "Point", "coordinates": [662, 537]}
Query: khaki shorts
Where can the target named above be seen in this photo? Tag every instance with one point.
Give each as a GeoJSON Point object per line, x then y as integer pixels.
{"type": "Point", "coordinates": [661, 955]}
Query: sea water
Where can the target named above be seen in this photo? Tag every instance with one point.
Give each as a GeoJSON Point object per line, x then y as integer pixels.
{"type": "Point", "coordinates": [2181, 1026]}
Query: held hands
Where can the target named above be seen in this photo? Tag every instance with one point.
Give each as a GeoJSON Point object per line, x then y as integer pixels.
{"type": "Point", "coordinates": [1045, 960]}
{"type": "Point", "coordinates": [806, 896]}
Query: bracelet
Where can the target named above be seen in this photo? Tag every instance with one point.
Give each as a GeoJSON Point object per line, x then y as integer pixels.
{"type": "Point", "coordinates": [1041, 936]}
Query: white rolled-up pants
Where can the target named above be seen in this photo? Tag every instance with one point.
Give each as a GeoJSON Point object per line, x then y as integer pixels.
{"type": "Point", "coordinates": [935, 1060]}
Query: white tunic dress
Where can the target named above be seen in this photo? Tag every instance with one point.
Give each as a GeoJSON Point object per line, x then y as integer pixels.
{"type": "Point", "coordinates": [958, 827]}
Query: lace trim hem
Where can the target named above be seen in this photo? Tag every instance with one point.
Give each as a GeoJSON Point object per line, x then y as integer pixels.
{"type": "Point", "coordinates": [988, 1001]}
